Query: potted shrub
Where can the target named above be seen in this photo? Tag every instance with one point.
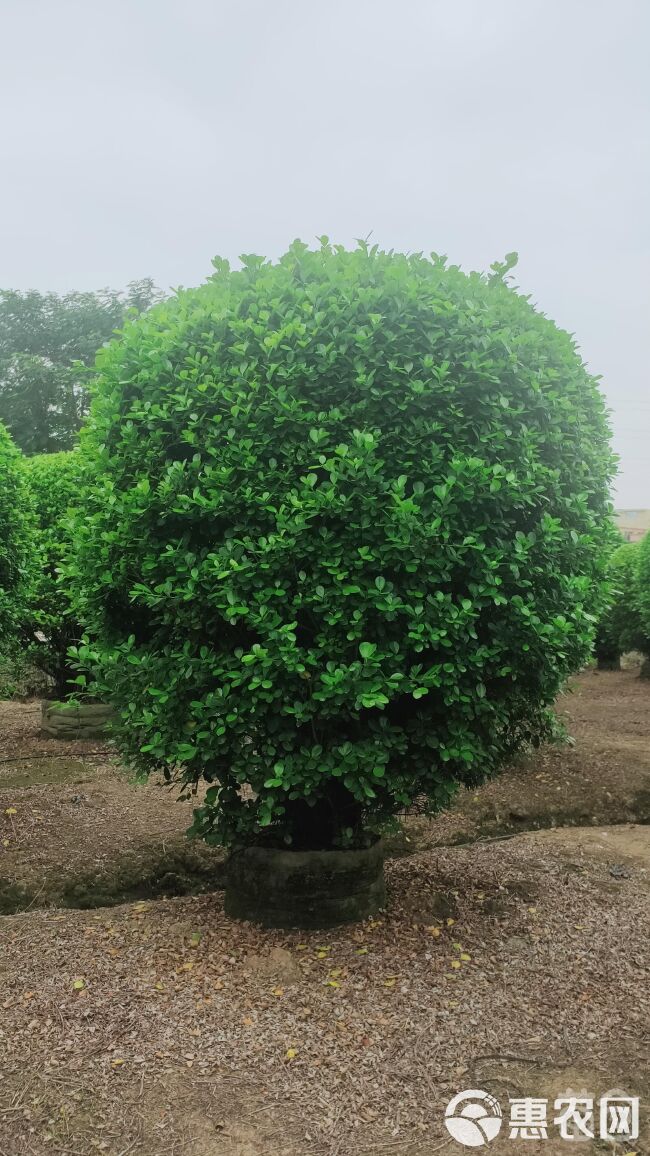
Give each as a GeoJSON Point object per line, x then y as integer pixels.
{"type": "Point", "coordinates": [54, 481]}
{"type": "Point", "coordinates": [17, 562]}
{"type": "Point", "coordinates": [342, 542]}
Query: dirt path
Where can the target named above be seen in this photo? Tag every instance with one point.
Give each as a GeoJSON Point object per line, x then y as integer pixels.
{"type": "Point", "coordinates": [160, 1028]}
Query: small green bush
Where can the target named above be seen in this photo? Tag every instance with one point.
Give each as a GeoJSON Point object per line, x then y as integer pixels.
{"type": "Point", "coordinates": [16, 543]}
{"type": "Point", "coordinates": [642, 599]}
{"type": "Point", "coordinates": [621, 628]}
{"type": "Point", "coordinates": [343, 539]}
{"type": "Point", "coordinates": [54, 483]}
{"type": "Point", "coordinates": [20, 678]}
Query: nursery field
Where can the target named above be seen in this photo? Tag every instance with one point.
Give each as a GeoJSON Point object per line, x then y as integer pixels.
{"type": "Point", "coordinates": [512, 955]}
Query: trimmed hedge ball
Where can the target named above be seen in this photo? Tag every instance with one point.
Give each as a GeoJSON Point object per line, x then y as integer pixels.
{"type": "Point", "coordinates": [343, 538]}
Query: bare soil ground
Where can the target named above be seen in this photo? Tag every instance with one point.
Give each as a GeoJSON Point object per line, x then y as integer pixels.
{"type": "Point", "coordinates": [76, 829]}
{"type": "Point", "coordinates": [602, 776]}
{"type": "Point", "coordinates": [519, 963]}
{"type": "Point", "coordinates": [125, 840]}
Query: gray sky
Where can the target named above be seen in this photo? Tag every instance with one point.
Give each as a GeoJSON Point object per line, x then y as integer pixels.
{"type": "Point", "coordinates": [140, 137]}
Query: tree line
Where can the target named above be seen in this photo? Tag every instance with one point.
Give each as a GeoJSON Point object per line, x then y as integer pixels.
{"type": "Point", "coordinates": [48, 343]}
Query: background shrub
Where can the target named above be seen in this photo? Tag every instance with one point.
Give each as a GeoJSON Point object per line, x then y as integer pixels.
{"type": "Point", "coordinates": [16, 543]}
{"type": "Point", "coordinates": [19, 677]}
{"type": "Point", "coordinates": [344, 535]}
{"type": "Point", "coordinates": [54, 484]}
{"type": "Point", "coordinates": [642, 574]}
{"type": "Point", "coordinates": [621, 627]}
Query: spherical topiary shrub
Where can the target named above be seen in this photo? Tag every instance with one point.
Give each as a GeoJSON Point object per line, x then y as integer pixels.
{"type": "Point", "coordinates": [621, 628]}
{"type": "Point", "coordinates": [17, 560]}
{"type": "Point", "coordinates": [343, 537]}
{"type": "Point", "coordinates": [54, 481]}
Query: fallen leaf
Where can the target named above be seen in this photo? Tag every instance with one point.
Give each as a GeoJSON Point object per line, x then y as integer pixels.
{"type": "Point", "coordinates": [291, 1053]}
{"type": "Point", "coordinates": [465, 956]}
{"type": "Point", "coordinates": [79, 984]}
{"type": "Point", "coordinates": [10, 811]}
{"type": "Point", "coordinates": [455, 963]}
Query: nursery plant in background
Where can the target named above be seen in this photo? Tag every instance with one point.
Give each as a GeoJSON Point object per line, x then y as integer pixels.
{"type": "Point", "coordinates": [642, 601]}
{"type": "Point", "coordinates": [17, 562]}
{"type": "Point", "coordinates": [343, 541]}
{"type": "Point", "coordinates": [68, 710]}
{"type": "Point", "coordinates": [621, 627]}
{"type": "Point", "coordinates": [54, 485]}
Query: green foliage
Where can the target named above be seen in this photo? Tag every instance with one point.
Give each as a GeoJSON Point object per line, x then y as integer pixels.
{"type": "Point", "coordinates": [343, 539]}
{"type": "Point", "coordinates": [620, 628]}
{"type": "Point", "coordinates": [46, 343]}
{"type": "Point", "coordinates": [16, 549]}
{"type": "Point", "coordinates": [19, 677]}
{"type": "Point", "coordinates": [643, 590]}
{"type": "Point", "coordinates": [54, 484]}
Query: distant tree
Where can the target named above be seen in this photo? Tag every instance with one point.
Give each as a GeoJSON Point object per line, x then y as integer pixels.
{"type": "Point", "coordinates": [47, 343]}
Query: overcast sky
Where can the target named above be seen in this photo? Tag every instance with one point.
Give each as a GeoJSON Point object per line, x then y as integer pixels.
{"type": "Point", "coordinates": [140, 137]}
